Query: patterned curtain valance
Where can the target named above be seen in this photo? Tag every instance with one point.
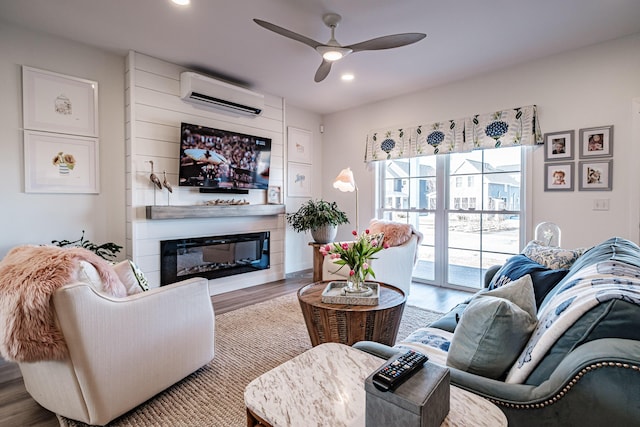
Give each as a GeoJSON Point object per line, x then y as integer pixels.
{"type": "Point", "coordinates": [506, 128]}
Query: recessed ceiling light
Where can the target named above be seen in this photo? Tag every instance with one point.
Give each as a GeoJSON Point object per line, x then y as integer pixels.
{"type": "Point", "coordinates": [181, 2]}
{"type": "Point", "coordinates": [347, 77]}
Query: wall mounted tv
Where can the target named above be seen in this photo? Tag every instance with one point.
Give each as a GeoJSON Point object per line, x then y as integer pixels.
{"type": "Point", "coordinates": [220, 161]}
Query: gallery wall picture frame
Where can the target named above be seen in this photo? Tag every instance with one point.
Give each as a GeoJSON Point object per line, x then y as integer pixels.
{"type": "Point", "coordinates": [596, 142]}
{"type": "Point", "coordinates": [559, 145]}
{"type": "Point", "coordinates": [299, 145]}
{"type": "Point", "coordinates": [59, 163]}
{"type": "Point", "coordinates": [298, 180]}
{"type": "Point", "coordinates": [558, 176]}
{"type": "Point", "coordinates": [274, 195]}
{"type": "Point", "coordinates": [59, 103]}
{"type": "Point", "coordinates": [595, 175]}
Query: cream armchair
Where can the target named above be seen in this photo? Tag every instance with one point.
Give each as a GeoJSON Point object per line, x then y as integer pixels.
{"type": "Point", "coordinates": [122, 351]}
{"type": "Point", "coordinates": [393, 266]}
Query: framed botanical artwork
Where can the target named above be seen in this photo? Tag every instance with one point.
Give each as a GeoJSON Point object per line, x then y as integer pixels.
{"type": "Point", "coordinates": [58, 163]}
{"type": "Point", "coordinates": [299, 145]}
{"type": "Point", "coordinates": [298, 180]}
{"type": "Point", "coordinates": [559, 145]}
{"type": "Point", "coordinates": [596, 142]}
{"type": "Point", "coordinates": [55, 102]}
{"type": "Point", "coordinates": [558, 177]}
{"type": "Point", "coordinates": [595, 175]}
{"type": "Point", "coordinates": [273, 195]}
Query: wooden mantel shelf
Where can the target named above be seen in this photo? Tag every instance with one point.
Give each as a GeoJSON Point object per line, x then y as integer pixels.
{"type": "Point", "coordinates": [215, 211]}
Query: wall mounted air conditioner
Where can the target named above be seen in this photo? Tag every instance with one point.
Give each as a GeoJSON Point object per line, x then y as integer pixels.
{"type": "Point", "coordinates": [219, 95]}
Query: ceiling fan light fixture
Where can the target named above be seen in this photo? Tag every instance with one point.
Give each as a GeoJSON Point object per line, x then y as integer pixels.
{"type": "Point", "coordinates": [333, 53]}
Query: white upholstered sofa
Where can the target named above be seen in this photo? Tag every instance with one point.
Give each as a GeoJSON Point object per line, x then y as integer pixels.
{"type": "Point", "coordinates": [393, 266]}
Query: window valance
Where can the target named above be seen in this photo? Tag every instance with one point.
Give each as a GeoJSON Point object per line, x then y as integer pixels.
{"type": "Point", "coordinates": [506, 128]}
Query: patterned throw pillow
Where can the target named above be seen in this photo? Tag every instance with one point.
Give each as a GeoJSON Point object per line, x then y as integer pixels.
{"type": "Point", "coordinates": [551, 257]}
{"type": "Point", "coordinates": [132, 277]}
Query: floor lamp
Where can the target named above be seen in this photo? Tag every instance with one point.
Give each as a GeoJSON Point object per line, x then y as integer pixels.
{"type": "Point", "coordinates": [346, 183]}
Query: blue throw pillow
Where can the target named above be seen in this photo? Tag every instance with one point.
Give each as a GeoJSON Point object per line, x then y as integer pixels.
{"type": "Point", "coordinates": [544, 279]}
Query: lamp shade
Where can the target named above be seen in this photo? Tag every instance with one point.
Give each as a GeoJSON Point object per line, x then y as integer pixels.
{"type": "Point", "coordinates": [345, 181]}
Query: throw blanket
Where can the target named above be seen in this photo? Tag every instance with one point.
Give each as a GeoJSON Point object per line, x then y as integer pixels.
{"type": "Point", "coordinates": [395, 233]}
{"type": "Point", "coordinates": [585, 289]}
{"type": "Point", "coordinates": [433, 342]}
{"type": "Point", "coordinates": [28, 277]}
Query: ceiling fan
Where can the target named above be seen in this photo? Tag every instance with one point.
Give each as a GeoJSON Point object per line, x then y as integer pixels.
{"type": "Point", "coordinates": [332, 50]}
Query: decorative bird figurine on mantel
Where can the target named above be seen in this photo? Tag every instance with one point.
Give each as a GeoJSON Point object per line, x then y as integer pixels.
{"type": "Point", "coordinates": [166, 182]}
{"type": "Point", "coordinates": [154, 178]}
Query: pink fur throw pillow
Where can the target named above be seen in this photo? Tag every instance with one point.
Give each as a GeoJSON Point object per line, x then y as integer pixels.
{"type": "Point", "coordinates": [29, 275]}
{"type": "Point", "coordinates": [395, 233]}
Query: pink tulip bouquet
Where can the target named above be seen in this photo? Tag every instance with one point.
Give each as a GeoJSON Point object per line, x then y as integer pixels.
{"type": "Point", "coordinates": [356, 255]}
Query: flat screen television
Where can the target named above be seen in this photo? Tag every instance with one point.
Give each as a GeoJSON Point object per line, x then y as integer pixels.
{"type": "Point", "coordinates": [221, 160]}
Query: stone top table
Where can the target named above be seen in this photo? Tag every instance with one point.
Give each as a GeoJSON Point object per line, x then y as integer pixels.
{"type": "Point", "coordinates": [324, 386]}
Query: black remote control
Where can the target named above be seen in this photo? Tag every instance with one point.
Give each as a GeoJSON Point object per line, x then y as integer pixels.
{"type": "Point", "coordinates": [397, 371]}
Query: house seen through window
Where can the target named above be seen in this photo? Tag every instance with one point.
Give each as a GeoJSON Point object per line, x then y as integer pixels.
{"type": "Point", "coordinates": [467, 205]}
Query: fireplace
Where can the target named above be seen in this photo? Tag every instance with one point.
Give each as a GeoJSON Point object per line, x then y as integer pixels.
{"type": "Point", "coordinates": [213, 257]}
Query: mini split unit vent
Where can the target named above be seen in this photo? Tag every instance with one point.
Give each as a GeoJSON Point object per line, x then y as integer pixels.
{"type": "Point", "coordinates": [218, 95]}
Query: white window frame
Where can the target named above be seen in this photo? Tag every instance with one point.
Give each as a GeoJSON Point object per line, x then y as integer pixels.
{"type": "Point", "coordinates": [441, 235]}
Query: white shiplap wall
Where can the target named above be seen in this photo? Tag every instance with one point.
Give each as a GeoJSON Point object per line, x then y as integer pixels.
{"type": "Point", "coordinates": [154, 112]}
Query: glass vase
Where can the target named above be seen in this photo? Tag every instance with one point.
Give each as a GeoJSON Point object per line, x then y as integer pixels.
{"type": "Point", "coordinates": [356, 285]}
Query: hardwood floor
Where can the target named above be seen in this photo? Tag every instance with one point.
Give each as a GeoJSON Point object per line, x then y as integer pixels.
{"type": "Point", "coordinates": [435, 298]}
{"type": "Point", "coordinates": [230, 301]}
{"type": "Point", "coordinates": [17, 408]}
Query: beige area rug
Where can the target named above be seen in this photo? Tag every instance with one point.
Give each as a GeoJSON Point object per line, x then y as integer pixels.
{"type": "Point", "coordinates": [249, 342]}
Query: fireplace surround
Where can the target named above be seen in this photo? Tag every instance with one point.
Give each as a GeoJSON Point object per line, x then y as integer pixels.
{"type": "Point", "coordinates": [214, 256]}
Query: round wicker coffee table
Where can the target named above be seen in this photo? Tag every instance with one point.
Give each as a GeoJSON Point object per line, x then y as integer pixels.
{"type": "Point", "coordinates": [347, 324]}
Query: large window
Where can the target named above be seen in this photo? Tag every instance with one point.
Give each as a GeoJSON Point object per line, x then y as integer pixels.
{"type": "Point", "coordinates": [468, 207]}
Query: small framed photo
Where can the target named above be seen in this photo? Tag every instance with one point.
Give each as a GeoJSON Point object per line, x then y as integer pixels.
{"type": "Point", "coordinates": [298, 180]}
{"type": "Point", "coordinates": [596, 175]}
{"type": "Point", "coordinates": [58, 163]}
{"type": "Point", "coordinates": [558, 176]}
{"type": "Point", "coordinates": [299, 145]}
{"type": "Point", "coordinates": [559, 145]}
{"type": "Point", "coordinates": [273, 195]}
{"type": "Point", "coordinates": [596, 142]}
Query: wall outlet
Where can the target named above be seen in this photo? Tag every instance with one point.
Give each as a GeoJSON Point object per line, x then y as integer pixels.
{"type": "Point", "coordinates": [600, 204]}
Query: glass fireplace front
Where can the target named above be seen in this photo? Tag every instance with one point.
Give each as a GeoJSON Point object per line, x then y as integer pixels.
{"type": "Point", "coordinates": [213, 257]}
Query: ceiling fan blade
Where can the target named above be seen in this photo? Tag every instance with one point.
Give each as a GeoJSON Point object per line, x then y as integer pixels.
{"type": "Point", "coordinates": [388, 42]}
{"type": "Point", "coordinates": [323, 71]}
{"type": "Point", "coordinates": [287, 33]}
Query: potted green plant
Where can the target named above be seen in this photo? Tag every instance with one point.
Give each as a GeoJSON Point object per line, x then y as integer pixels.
{"type": "Point", "coordinates": [106, 251]}
{"type": "Point", "coordinates": [320, 217]}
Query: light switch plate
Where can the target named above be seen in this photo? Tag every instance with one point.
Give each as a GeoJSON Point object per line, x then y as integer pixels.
{"type": "Point", "coordinates": [600, 204]}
